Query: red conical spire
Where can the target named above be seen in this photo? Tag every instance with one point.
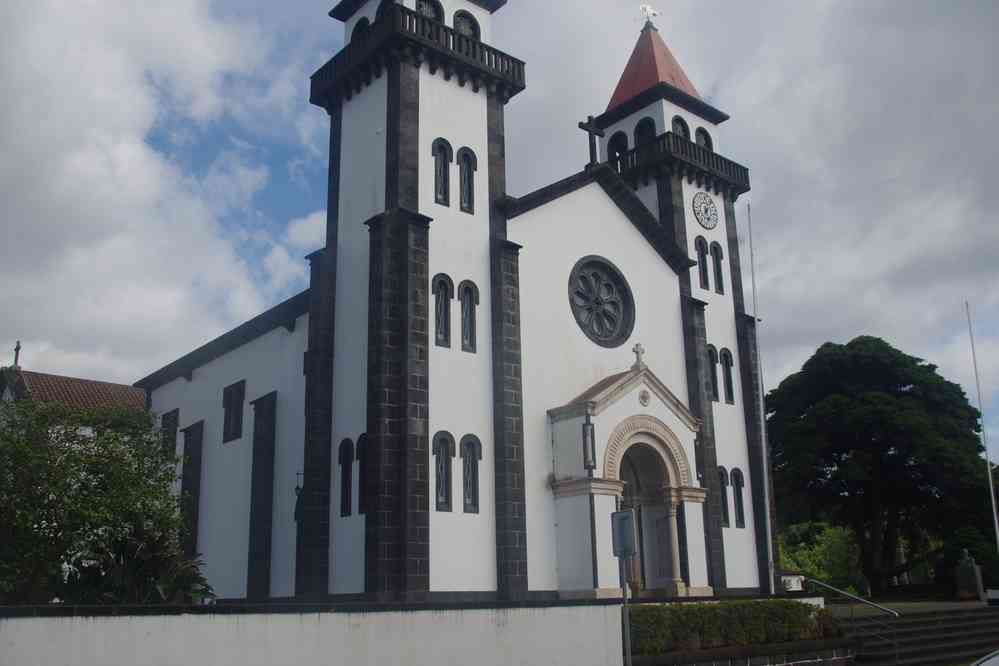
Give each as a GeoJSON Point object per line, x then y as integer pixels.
{"type": "Point", "coordinates": [651, 64]}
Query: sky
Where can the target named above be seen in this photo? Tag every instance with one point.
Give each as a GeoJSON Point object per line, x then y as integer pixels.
{"type": "Point", "coordinates": [162, 175]}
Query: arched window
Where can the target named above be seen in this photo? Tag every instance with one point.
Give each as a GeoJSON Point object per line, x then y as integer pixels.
{"type": "Point", "coordinates": [617, 146]}
{"type": "Point", "coordinates": [723, 496]}
{"type": "Point", "coordinates": [443, 290]}
{"type": "Point", "coordinates": [467, 166]}
{"type": "Point", "coordinates": [704, 139]}
{"type": "Point", "coordinates": [382, 8]}
{"type": "Point", "coordinates": [362, 473]}
{"type": "Point", "coordinates": [431, 9]}
{"type": "Point", "coordinates": [346, 458]}
{"type": "Point", "coordinates": [465, 24]}
{"type": "Point", "coordinates": [471, 454]}
{"type": "Point", "coordinates": [701, 246]}
{"type": "Point", "coordinates": [680, 127]}
{"type": "Point", "coordinates": [443, 156]}
{"type": "Point", "coordinates": [468, 294]}
{"type": "Point", "coordinates": [360, 30]}
{"type": "Point", "coordinates": [717, 257]}
{"type": "Point", "coordinates": [713, 369]}
{"type": "Point", "coordinates": [740, 508]}
{"type": "Point", "coordinates": [645, 132]}
{"type": "Point", "coordinates": [443, 451]}
{"type": "Point", "coordinates": [727, 363]}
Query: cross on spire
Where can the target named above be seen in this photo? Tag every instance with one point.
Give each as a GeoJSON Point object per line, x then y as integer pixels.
{"type": "Point", "coordinates": [590, 127]}
{"type": "Point", "coordinates": [17, 353]}
{"type": "Point", "coordinates": [639, 351]}
{"type": "Point", "coordinates": [649, 13]}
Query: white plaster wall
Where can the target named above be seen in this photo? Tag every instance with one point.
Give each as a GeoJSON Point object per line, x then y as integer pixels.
{"type": "Point", "coordinates": [607, 565]}
{"type": "Point", "coordinates": [569, 636]}
{"type": "Point", "coordinates": [575, 557]}
{"type": "Point", "coordinates": [559, 361]}
{"type": "Point", "coordinates": [697, 559]}
{"type": "Point", "coordinates": [568, 449]}
{"type": "Point", "coordinates": [462, 546]}
{"type": "Point", "coordinates": [730, 420]}
{"type": "Point", "coordinates": [362, 196]}
{"type": "Point", "coordinates": [272, 362]}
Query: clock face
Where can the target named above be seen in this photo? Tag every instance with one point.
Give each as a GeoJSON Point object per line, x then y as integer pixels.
{"type": "Point", "coordinates": [705, 210]}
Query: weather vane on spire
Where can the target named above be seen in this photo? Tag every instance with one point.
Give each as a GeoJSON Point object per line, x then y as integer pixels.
{"type": "Point", "coordinates": [649, 13]}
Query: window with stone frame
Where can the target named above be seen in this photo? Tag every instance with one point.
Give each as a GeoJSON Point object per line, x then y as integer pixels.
{"type": "Point", "coordinates": [703, 139]}
{"type": "Point", "coordinates": [431, 9]}
{"type": "Point", "coordinates": [467, 166]}
{"type": "Point", "coordinates": [233, 397]}
{"type": "Point", "coordinates": [717, 259]}
{"type": "Point", "coordinates": [713, 369]}
{"type": "Point", "coordinates": [360, 31]}
{"type": "Point", "coordinates": [727, 364]}
{"type": "Point", "coordinates": [442, 287]}
{"type": "Point", "coordinates": [645, 132]}
{"type": "Point", "coordinates": [680, 127]}
{"type": "Point", "coordinates": [346, 459]}
{"type": "Point", "coordinates": [466, 25]}
{"type": "Point", "coordinates": [617, 146]}
{"type": "Point", "coordinates": [468, 295]}
{"type": "Point", "coordinates": [738, 483]}
{"type": "Point", "coordinates": [443, 156]}
{"type": "Point", "coordinates": [703, 270]}
{"type": "Point", "coordinates": [723, 496]}
{"type": "Point", "coordinates": [362, 474]}
{"type": "Point", "coordinates": [471, 454]}
{"type": "Point", "coordinates": [443, 450]}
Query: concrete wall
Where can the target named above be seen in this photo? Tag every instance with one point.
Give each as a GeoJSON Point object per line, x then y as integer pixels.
{"type": "Point", "coordinates": [569, 635]}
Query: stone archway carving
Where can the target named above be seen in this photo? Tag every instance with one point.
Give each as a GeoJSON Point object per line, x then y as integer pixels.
{"type": "Point", "coordinates": [663, 441]}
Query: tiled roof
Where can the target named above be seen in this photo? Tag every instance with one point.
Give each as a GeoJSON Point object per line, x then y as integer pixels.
{"type": "Point", "coordinates": [81, 393]}
{"type": "Point", "coordinates": [651, 64]}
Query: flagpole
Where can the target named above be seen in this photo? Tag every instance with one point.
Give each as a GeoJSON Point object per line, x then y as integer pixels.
{"type": "Point", "coordinates": [763, 415]}
{"type": "Point", "coordinates": [985, 437]}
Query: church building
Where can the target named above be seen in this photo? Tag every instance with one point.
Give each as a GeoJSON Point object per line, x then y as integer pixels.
{"type": "Point", "coordinates": [475, 381]}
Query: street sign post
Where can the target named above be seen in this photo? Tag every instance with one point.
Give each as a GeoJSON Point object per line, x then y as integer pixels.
{"type": "Point", "coordinates": [624, 538]}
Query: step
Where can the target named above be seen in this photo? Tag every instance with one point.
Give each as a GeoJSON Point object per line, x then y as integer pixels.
{"type": "Point", "coordinates": [932, 642]}
{"type": "Point", "coordinates": [905, 631]}
{"type": "Point", "coordinates": [951, 654]}
{"type": "Point", "coordinates": [963, 656]}
{"type": "Point", "coordinates": [929, 617]}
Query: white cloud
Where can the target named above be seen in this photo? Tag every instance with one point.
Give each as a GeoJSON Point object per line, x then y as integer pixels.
{"type": "Point", "coordinates": [308, 233]}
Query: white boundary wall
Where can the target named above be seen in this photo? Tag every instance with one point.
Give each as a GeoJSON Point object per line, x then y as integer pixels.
{"type": "Point", "coordinates": [570, 635]}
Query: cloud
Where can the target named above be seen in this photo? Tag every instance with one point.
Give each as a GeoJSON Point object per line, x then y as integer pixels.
{"type": "Point", "coordinates": [308, 233]}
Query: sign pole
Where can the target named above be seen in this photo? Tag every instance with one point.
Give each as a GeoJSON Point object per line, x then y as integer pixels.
{"type": "Point", "coordinates": [985, 437]}
{"type": "Point", "coordinates": [624, 542]}
{"type": "Point", "coordinates": [625, 615]}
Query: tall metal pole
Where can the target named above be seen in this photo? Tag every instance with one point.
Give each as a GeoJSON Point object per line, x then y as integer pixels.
{"type": "Point", "coordinates": [985, 437]}
{"type": "Point", "coordinates": [763, 415]}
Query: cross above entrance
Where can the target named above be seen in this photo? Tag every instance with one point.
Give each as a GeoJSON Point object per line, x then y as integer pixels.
{"type": "Point", "coordinates": [590, 127]}
{"type": "Point", "coordinates": [639, 351]}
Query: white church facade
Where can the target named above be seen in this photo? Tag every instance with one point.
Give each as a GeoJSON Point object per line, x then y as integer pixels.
{"type": "Point", "coordinates": [474, 382]}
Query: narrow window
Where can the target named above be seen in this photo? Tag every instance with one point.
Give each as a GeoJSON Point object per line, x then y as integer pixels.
{"type": "Point", "coordinates": [443, 156]}
{"type": "Point", "coordinates": [468, 294]}
{"type": "Point", "coordinates": [382, 8]}
{"type": "Point", "coordinates": [703, 271]}
{"type": "Point", "coordinates": [617, 146]}
{"type": "Point", "coordinates": [713, 369]}
{"type": "Point", "coordinates": [471, 454]}
{"type": "Point", "coordinates": [465, 24]}
{"type": "Point", "coordinates": [723, 496]}
{"type": "Point", "coordinates": [168, 426]}
{"type": "Point", "coordinates": [704, 139]}
{"type": "Point", "coordinates": [362, 473]}
{"type": "Point", "coordinates": [443, 453]}
{"type": "Point", "coordinates": [443, 290]}
{"type": "Point", "coordinates": [431, 9]}
{"type": "Point", "coordinates": [740, 508]}
{"type": "Point", "coordinates": [346, 458]}
{"type": "Point", "coordinates": [680, 127]}
{"type": "Point", "coordinates": [727, 363]}
{"type": "Point", "coordinates": [360, 31]}
{"type": "Point", "coordinates": [645, 132]}
{"type": "Point", "coordinates": [717, 257]}
{"type": "Point", "coordinates": [232, 408]}
{"type": "Point", "coordinates": [467, 166]}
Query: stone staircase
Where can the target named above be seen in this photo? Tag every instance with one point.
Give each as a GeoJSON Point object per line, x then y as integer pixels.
{"type": "Point", "coordinates": [947, 638]}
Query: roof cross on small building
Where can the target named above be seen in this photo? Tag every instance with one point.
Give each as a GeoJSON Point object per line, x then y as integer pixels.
{"type": "Point", "coordinates": [639, 351]}
{"type": "Point", "coordinates": [591, 128]}
{"type": "Point", "coordinates": [17, 354]}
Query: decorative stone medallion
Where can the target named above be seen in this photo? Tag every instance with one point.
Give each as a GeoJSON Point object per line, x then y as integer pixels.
{"type": "Point", "coordinates": [705, 210]}
{"type": "Point", "coordinates": [601, 301]}
{"type": "Point", "coordinates": [644, 398]}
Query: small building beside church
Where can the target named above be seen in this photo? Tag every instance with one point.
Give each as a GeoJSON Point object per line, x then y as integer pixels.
{"type": "Point", "coordinates": [475, 381]}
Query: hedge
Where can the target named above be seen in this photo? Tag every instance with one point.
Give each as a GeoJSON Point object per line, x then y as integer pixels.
{"type": "Point", "coordinates": [658, 629]}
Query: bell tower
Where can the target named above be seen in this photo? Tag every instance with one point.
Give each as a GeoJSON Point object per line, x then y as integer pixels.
{"type": "Point", "coordinates": [415, 249]}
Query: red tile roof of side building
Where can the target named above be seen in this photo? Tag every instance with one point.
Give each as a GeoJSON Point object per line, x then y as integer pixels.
{"type": "Point", "coordinates": [80, 393]}
{"type": "Point", "coordinates": [651, 64]}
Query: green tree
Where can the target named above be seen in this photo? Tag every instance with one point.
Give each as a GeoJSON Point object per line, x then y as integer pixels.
{"type": "Point", "coordinates": [821, 551]}
{"type": "Point", "coordinates": [870, 438]}
{"type": "Point", "coordinates": [86, 509]}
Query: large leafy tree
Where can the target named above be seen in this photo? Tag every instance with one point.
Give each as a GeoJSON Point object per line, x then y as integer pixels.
{"type": "Point", "coordinates": [87, 512]}
{"type": "Point", "coordinates": [873, 439]}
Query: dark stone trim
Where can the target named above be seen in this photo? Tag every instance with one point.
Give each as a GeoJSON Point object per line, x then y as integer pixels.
{"type": "Point", "coordinates": [681, 520]}
{"type": "Point", "coordinates": [470, 448]}
{"type": "Point", "coordinates": [469, 342]}
{"type": "Point", "coordinates": [345, 460]}
{"type": "Point", "coordinates": [672, 214]}
{"type": "Point", "coordinates": [258, 566]}
{"type": "Point", "coordinates": [233, 399]}
{"type": "Point", "coordinates": [749, 375]}
{"type": "Point", "coordinates": [441, 149]}
{"type": "Point", "coordinates": [276, 317]}
{"type": "Point", "coordinates": [347, 8]}
{"type": "Point", "coordinates": [190, 485]}
{"type": "Point", "coordinates": [593, 542]}
{"type": "Point", "coordinates": [442, 335]}
{"type": "Point", "coordinates": [402, 163]}
{"type": "Point", "coordinates": [444, 449]}
{"type": "Point", "coordinates": [623, 197]}
{"type": "Point", "coordinates": [663, 91]}
{"type": "Point", "coordinates": [463, 176]}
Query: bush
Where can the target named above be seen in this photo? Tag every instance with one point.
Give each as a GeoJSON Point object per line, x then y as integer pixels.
{"type": "Point", "coordinates": [658, 629]}
{"type": "Point", "coordinates": [980, 548]}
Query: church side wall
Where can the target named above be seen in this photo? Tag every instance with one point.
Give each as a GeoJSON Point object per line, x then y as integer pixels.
{"type": "Point", "coordinates": [272, 362]}
{"type": "Point", "coordinates": [559, 361]}
{"type": "Point", "coordinates": [362, 187]}
{"type": "Point", "coordinates": [462, 546]}
{"type": "Point", "coordinates": [731, 441]}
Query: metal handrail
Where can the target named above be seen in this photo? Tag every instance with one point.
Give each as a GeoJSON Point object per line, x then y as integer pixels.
{"type": "Point", "coordinates": [846, 594]}
{"type": "Point", "coordinates": [888, 628]}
